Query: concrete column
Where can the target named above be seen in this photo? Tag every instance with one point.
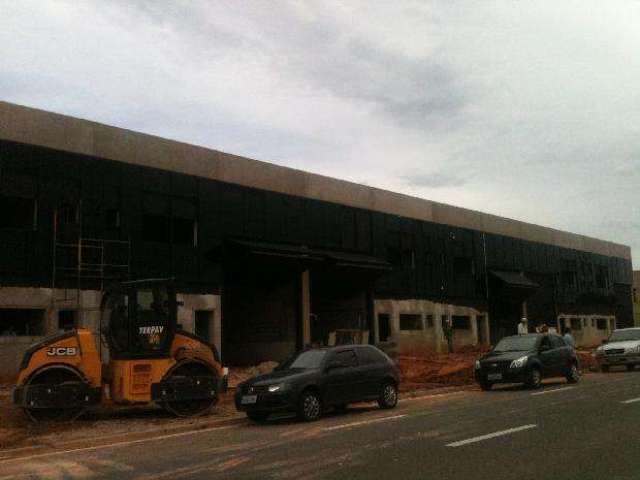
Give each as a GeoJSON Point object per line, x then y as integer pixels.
{"type": "Point", "coordinates": [440, 341]}
{"type": "Point", "coordinates": [305, 307]}
{"type": "Point", "coordinates": [473, 320]}
{"type": "Point", "coordinates": [50, 321]}
{"type": "Point", "coordinates": [185, 313]}
{"type": "Point", "coordinates": [487, 328]}
{"type": "Point", "coordinates": [217, 326]}
{"type": "Point", "coordinates": [376, 325]}
{"type": "Point", "coordinates": [394, 321]}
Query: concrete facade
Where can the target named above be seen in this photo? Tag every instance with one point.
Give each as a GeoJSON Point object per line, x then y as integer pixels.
{"type": "Point", "coordinates": [588, 330]}
{"type": "Point", "coordinates": [429, 331]}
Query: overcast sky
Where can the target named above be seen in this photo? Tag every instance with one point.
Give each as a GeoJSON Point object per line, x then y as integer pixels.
{"type": "Point", "coordinates": [529, 110]}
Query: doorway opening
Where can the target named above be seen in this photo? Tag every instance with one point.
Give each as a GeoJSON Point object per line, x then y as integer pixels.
{"type": "Point", "coordinates": [203, 325]}
{"type": "Point", "coordinates": [384, 327]}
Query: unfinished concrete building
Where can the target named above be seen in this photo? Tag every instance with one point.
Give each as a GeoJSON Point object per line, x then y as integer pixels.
{"type": "Point", "coordinates": [268, 258]}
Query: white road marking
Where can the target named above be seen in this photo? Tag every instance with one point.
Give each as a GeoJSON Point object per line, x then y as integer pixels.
{"type": "Point", "coordinates": [633, 400]}
{"type": "Point", "coordinates": [115, 444]}
{"type": "Point", "coordinates": [364, 422]}
{"type": "Point", "coordinates": [491, 435]}
{"type": "Point", "coordinates": [554, 390]}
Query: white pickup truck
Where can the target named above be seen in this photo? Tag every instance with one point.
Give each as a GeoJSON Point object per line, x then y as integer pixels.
{"type": "Point", "coordinates": [621, 348]}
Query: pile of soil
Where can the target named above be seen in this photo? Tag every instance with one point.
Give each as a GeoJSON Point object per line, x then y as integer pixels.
{"type": "Point", "coordinates": [240, 374]}
{"type": "Point", "coordinates": [422, 369]}
{"type": "Point", "coordinates": [587, 360]}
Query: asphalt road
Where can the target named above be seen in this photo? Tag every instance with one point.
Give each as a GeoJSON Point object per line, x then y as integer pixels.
{"type": "Point", "coordinates": [587, 431]}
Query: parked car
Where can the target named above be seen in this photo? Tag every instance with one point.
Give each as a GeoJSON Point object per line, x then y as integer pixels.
{"type": "Point", "coordinates": [621, 348]}
{"type": "Point", "coordinates": [527, 359]}
{"type": "Point", "coordinates": [315, 380]}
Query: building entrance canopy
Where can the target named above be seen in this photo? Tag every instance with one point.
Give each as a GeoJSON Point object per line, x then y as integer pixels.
{"type": "Point", "coordinates": [307, 257]}
{"type": "Point", "coordinates": [513, 285]}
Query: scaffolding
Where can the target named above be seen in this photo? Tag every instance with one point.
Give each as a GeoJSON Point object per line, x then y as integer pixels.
{"type": "Point", "coordinates": [83, 263]}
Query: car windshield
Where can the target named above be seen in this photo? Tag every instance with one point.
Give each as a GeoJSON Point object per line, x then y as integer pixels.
{"type": "Point", "coordinates": [624, 335]}
{"type": "Point", "coordinates": [305, 360]}
{"type": "Point", "coordinates": [516, 344]}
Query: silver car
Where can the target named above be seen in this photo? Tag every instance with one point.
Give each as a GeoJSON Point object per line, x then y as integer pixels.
{"type": "Point", "coordinates": [622, 348]}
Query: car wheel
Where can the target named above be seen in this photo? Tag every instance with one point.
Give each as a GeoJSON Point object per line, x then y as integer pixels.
{"type": "Point", "coordinates": [573, 376]}
{"type": "Point", "coordinates": [534, 378]}
{"type": "Point", "coordinates": [388, 396]}
{"type": "Point", "coordinates": [258, 417]}
{"type": "Point", "coordinates": [309, 406]}
{"type": "Point", "coordinates": [486, 386]}
{"type": "Point", "coordinates": [605, 368]}
{"type": "Point", "coordinates": [631, 367]}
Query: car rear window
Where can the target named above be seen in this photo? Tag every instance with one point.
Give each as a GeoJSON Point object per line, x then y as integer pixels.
{"type": "Point", "coordinates": [368, 356]}
{"type": "Point", "coordinates": [307, 360]}
{"type": "Point", "coordinates": [347, 358]}
{"type": "Point", "coordinates": [516, 343]}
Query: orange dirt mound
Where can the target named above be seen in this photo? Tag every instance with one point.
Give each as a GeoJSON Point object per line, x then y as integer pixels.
{"type": "Point", "coordinates": [587, 360]}
{"type": "Point", "coordinates": [424, 369]}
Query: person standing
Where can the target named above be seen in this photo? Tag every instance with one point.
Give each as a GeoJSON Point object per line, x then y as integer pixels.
{"type": "Point", "coordinates": [568, 338]}
{"type": "Point", "coordinates": [447, 330]}
{"type": "Point", "coordinates": [522, 327]}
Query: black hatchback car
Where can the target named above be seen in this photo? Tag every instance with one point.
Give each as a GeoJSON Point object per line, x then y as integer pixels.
{"type": "Point", "coordinates": [527, 359]}
{"type": "Point", "coordinates": [314, 380]}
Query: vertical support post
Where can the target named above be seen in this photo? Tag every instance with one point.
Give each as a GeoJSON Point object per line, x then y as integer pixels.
{"type": "Point", "coordinates": [216, 334]}
{"type": "Point", "coordinates": [473, 320]}
{"type": "Point", "coordinates": [440, 341]}
{"type": "Point", "coordinates": [305, 308]}
{"type": "Point", "coordinates": [487, 329]}
{"type": "Point", "coordinates": [374, 336]}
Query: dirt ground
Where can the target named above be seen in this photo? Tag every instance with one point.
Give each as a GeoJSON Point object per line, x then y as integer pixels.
{"type": "Point", "coordinates": [240, 374]}
{"type": "Point", "coordinates": [426, 369]}
{"type": "Point", "coordinates": [587, 359]}
{"type": "Point", "coordinates": [16, 430]}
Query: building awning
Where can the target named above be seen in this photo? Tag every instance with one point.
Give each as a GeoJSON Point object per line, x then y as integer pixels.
{"type": "Point", "coordinates": [311, 255]}
{"type": "Point", "coordinates": [300, 252]}
{"type": "Point", "coordinates": [345, 259]}
{"type": "Point", "coordinates": [515, 280]}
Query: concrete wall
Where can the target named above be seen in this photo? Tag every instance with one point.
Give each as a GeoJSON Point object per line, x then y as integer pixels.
{"type": "Point", "coordinates": [36, 127]}
{"type": "Point", "coordinates": [589, 334]}
{"type": "Point", "coordinates": [193, 303]}
{"type": "Point", "coordinates": [11, 352]}
{"type": "Point", "coordinates": [87, 307]}
{"type": "Point", "coordinates": [431, 338]}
